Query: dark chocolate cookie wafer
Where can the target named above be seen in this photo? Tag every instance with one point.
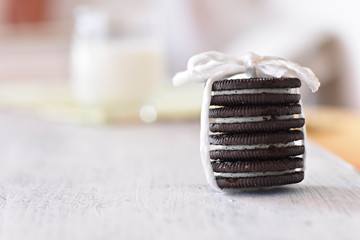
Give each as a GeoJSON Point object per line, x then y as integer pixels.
{"type": "Point", "coordinates": [254, 99]}
{"type": "Point", "coordinates": [264, 126]}
{"type": "Point", "coordinates": [257, 166]}
{"type": "Point", "coordinates": [260, 181]}
{"type": "Point", "coordinates": [254, 111]}
{"type": "Point", "coordinates": [256, 83]}
{"type": "Point", "coordinates": [256, 138]}
{"type": "Point", "coordinates": [272, 152]}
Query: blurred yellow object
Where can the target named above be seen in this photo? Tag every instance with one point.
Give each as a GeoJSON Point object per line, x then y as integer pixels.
{"type": "Point", "coordinates": [57, 104]}
{"type": "Point", "coordinates": [53, 103]}
{"type": "Point", "coordinates": [336, 129]}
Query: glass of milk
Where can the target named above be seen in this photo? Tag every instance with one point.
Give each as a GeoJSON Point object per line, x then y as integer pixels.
{"type": "Point", "coordinates": [112, 72]}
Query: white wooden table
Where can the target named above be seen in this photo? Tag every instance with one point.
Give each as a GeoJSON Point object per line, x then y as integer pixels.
{"type": "Point", "coordinates": [61, 181]}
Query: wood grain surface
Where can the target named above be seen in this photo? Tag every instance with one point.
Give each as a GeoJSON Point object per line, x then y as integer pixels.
{"type": "Point", "coordinates": [62, 181]}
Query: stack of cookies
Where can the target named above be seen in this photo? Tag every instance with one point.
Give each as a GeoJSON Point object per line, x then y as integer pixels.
{"type": "Point", "coordinates": [256, 135]}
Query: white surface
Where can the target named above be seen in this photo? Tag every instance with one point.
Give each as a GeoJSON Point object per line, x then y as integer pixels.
{"type": "Point", "coordinates": [146, 182]}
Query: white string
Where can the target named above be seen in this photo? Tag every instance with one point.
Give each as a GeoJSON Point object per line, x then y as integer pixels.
{"type": "Point", "coordinates": [217, 65]}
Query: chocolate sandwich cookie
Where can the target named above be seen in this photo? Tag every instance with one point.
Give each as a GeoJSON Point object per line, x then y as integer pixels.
{"type": "Point", "coordinates": [242, 174]}
{"type": "Point", "coordinates": [255, 91]}
{"type": "Point", "coordinates": [255, 136]}
{"type": "Point", "coordinates": [255, 118]}
{"type": "Point", "coordinates": [233, 147]}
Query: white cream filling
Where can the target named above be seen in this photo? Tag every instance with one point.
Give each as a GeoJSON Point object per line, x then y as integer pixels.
{"type": "Point", "coordinates": [257, 146]}
{"type": "Point", "coordinates": [257, 174]}
{"type": "Point", "coordinates": [255, 91]}
{"type": "Point", "coordinates": [253, 119]}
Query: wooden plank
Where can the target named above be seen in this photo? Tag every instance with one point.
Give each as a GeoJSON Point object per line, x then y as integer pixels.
{"type": "Point", "coordinates": [343, 139]}
{"type": "Point", "coordinates": [62, 181]}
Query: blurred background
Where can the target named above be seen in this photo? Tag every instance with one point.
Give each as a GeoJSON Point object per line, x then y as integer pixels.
{"type": "Point", "coordinates": [111, 61]}
{"type": "Point", "coordinates": [98, 61]}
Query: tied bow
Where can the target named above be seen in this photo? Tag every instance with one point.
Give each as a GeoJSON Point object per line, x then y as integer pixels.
{"type": "Point", "coordinates": [216, 66]}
